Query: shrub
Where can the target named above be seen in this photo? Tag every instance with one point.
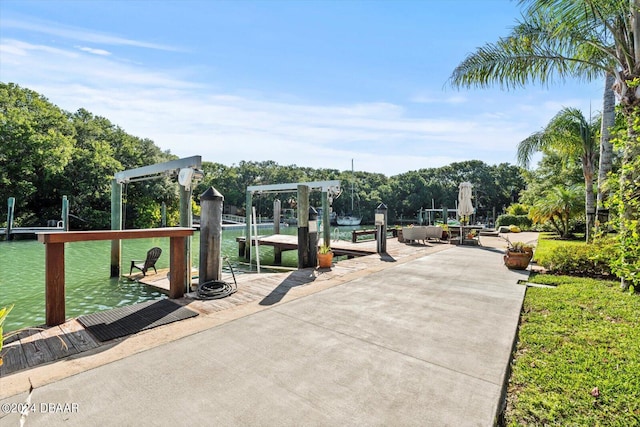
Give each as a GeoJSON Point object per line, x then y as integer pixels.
{"type": "Point", "coordinates": [587, 260]}
{"type": "Point", "coordinates": [522, 221]}
{"type": "Point", "coordinates": [518, 209]}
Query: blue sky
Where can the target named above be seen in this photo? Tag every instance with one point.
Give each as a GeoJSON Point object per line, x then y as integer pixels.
{"type": "Point", "coordinates": [310, 83]}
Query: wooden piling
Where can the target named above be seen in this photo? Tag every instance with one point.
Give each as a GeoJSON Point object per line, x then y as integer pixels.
{"type": "Point", "coordinates": [210, 268]}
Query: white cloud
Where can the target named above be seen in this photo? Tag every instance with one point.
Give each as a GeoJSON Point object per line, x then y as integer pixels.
{"type": "Point", "coordinates": [80, 34]}
{"type": "Point", "coordinates": [189, 118]}
{"type": "Point", "coordinates": [100, 52]}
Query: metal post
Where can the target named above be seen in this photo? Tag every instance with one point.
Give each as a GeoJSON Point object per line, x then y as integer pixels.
{"type": "Point", "coordinates": [210, 266]}
{"type": "Point", "coordinates": [65, 213]}
{"type": "Point", "coordinates": [11, 206]}
{"type": "Point", "coordinates": [381, 228]}
{"type": "Point", "coordinates": [116, 224]}
{"type": "Point", "coordinates": [163, 215]}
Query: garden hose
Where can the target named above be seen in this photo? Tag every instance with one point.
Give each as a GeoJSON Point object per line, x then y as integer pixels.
{"type": "Point", "coordinates": [216, 289]}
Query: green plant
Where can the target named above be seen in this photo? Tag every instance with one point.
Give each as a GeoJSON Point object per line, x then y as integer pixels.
{"type": "Point", "coordinates": [324, 249]}
{"type": "Point", "coordinates": [4, 311]}
{"type": "Point", "coordinates": [522, 221]}
{"type": "Point", "coordinates": [519, 247]}
{"type": "Point", "coordinates": [588, 260]}
{"type": "Point", "coordinates": [518, 209]}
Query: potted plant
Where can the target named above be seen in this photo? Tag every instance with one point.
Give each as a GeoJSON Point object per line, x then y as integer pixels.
{"type": "Point", "coordinates": [518, 255]}
{"type": "Point", "coordinates": [445, 231]}
{"type": "Point", "coordinates": [325, 256]}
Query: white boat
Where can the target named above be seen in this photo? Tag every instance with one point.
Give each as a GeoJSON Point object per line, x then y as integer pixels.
{"type": "Point", "coordinates": [349, 219]}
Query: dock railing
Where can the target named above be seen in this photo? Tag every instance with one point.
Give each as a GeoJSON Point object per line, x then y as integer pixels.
{"type": "Point", "coordinates": [54, 261]}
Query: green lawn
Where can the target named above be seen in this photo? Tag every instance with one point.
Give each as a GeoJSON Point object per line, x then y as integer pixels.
{"type": "Point", "coordinates": [577, 361]}
{"type": "Point", "coordinates": [547, 243]}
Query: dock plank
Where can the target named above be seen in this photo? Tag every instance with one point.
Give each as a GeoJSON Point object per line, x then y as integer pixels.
{"type": "Point", "coordinates": [78, 336]}
{"type": "Point", "coordinates": [13, 358]}
{"type": "Point", "coordinates": [36, 350]}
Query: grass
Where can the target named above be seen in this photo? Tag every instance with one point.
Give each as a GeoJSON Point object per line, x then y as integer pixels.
{"type": "Point", "coordinates": [577, 362]}
{"type": "Point", "coordinates": [547, 243]}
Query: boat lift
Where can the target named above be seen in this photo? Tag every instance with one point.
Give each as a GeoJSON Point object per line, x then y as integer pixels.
{"type": "Point", "coordinates": [187, 170]}
{"type": "Point", "coordinates": [330, 190]}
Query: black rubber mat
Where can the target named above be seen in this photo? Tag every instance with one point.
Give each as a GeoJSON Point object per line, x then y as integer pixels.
{"type": "Point", "coordinates": [123, 321]}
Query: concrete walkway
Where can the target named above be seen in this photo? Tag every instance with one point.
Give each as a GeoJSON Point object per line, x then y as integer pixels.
{"type": "Point", "coordinates": [424, 343]}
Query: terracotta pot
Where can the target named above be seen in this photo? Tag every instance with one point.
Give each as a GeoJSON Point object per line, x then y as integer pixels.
{"type": "Point", "coordinates": [517, 260]}
{"type": "Point", "coordinates": [325, 260]}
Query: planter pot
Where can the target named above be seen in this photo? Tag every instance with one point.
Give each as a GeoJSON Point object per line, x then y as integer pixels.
{"type": "Point", "coordinates": [400, 236]}
{"type": "Point", "coordinates": [325, 260]}
{"type": "Point", "coordinates": [517, 260]}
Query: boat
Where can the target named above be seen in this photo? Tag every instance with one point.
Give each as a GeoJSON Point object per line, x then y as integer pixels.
{"type": "Point", "coordinates": [349, 219]}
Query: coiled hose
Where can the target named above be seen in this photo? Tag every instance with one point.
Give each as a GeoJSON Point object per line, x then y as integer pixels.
{"type": "Point", "coordinates": [216, 289]}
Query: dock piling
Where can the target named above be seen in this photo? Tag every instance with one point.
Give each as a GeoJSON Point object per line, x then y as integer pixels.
{"type": "Point", "coordinates": [210, 268]}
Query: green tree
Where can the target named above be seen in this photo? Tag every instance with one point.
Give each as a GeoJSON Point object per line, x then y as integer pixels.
{"type": "Point", "coordinates": [571, 135]}
{"type": "Point", "coordinates": [574, 38]}
{"type": "Point", "coordinates": [557, 207]}
{"type": "Point", "coordinates": [36, 143]}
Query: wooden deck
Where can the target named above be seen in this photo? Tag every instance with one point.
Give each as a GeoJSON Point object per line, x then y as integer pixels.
{"type": "Point", "coordinates": [286, 242]}
{"type": "Point", "coordinates": [41, 346]}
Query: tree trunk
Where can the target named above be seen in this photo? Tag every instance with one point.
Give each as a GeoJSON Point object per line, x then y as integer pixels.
{"type": "Point", "coordinates": [606, 149]}
{"type": "Point", "coordinates": [589, 197]}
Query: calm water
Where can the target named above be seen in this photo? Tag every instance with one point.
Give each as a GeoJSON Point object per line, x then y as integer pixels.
{"type": "Point", "coordinates": [88, 286]}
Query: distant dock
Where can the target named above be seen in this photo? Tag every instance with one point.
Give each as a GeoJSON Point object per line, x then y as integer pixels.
{"type": "Point", "coordinates": [285, 242]}
{"type": "Point", "coordinates": [29, 230]}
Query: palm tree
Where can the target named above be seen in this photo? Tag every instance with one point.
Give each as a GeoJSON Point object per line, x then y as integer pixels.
{"type": "Point", "coordinates": [586, 39]}
{"type": "Point", "coordinates": [571, 135]}
{"type": "Point", "coordinates": [557, 207]}
{"type": "Point", "coordinates": [606, 148]}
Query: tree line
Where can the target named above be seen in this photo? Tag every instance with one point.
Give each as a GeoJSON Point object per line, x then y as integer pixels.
{"type": "Point", "coordinates": [47, 153]}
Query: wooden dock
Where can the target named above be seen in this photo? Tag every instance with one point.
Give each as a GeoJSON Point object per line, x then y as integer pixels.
{"type": "Point", "coordinates": [30, 230]}
{"type": "Point", "coordinates": [286, 242]}
{"type": "Point", "coordinates": [36, 347]}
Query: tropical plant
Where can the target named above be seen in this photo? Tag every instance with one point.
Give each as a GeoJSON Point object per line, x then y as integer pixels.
{"type": "Point", "coordinates": [4, 311]}
{"type": "Point", "coordinates": [324, 249]}
{"type": "Point", "coordinates": [570, 134]}
{"type": "Point", "coordinates": [574, 38]}
{"type": "Point", "coordinates": [557, 206]}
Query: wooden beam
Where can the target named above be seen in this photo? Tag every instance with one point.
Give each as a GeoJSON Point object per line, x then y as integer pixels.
{"type": "Point", "coordinates": [178, 269]}
{"type": "Point", "coordinates": [82, 236]}
{"type": "Point", "coordinates": [54, 284]}
{"type": "Point", "coordinates": [54, 261]}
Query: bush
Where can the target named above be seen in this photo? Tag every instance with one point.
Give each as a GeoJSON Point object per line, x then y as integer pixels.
{"type": "Point", "coordinates": [588, 260]}
{"type": "Point", "coordinates": [522, 221]}
{"type": "Point", "coordinates": [518, 209]}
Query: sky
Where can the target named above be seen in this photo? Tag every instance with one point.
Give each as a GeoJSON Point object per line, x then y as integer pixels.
{"type": "Point", "coordinates": [300, 82]}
